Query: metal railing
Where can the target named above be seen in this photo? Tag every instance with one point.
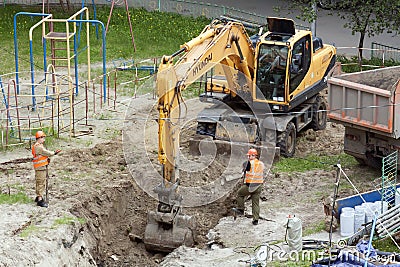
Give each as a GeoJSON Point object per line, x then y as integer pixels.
{"type": "Point", "coordinates": [385, 51]}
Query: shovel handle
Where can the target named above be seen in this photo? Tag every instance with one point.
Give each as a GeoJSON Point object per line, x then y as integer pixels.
{"type": "Point", "coordinates": [47, 184]}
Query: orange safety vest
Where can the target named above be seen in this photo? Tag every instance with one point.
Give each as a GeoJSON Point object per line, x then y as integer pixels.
{"type": "Point", "coordinates": [38, 160]}
{"type": "Point", "coordinates": [256, 173]}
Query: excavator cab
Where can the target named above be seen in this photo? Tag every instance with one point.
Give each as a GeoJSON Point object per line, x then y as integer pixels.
{"type": "Point", "coordinates": [291, 66]}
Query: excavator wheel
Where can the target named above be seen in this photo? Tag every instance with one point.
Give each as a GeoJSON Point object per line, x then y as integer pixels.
{"type": "Point", "coordinates": [320, 114]}
{"type": "Point", "coordinates": [166, 231]}
{"type": "Point", "coordinates": [287, 141]}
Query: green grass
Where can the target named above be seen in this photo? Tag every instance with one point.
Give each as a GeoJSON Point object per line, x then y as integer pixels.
{"type": "Point", "coordinates": [14, 142]}
{"type": "Point", "coordinates": [314, 228]}
{"type": "Point", "coordinates": [30, 230]}
{"type": "Point", "coordinates": [68, 220]}
{"type": "Point", "coordinates": [155, 34]}
{"type": "Point", "coordinates": [312, 162]}
{"type": "Point", "coordinates": [290, 263]}
{"type": "Point", "coordinates": [351, 64]}
{"type": "Point", "coordinates": [385, 244]}
{"type": "Point", "coordinates": [14, 198]}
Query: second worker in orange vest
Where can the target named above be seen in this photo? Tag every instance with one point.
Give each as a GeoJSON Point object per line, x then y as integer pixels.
{"type": "Point", "coordinates": [253, 180]}
{"type": "Point", "coordinates": [40, 161]}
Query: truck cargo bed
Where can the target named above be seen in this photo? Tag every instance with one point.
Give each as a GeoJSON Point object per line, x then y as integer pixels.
{"type": "Point", "coordinates": [367, 100]}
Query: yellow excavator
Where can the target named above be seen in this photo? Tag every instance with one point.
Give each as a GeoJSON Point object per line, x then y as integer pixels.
{"type": "Point", "coordinates": [280, 72]}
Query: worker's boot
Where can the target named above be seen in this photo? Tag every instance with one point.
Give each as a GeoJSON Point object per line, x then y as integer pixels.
{"type": "Point", "coordinates": [43, 204]}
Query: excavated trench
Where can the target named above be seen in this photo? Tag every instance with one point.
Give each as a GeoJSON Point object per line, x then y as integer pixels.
{"type": "Point", "coordinates": [116, 221]}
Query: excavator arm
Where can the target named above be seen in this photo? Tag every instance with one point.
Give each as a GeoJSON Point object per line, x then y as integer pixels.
{"type": "Point", "coordinates": [221, 43]}
{"type": "Point", "coordinates": [224, 43]}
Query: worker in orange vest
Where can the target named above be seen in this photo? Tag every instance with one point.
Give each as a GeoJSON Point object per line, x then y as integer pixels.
{"type": "Point", "coordinates": [253, 180]}
{"type": "Point", "coordinates": [40, 161]}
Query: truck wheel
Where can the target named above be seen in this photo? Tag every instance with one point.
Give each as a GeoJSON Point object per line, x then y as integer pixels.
{"type": "Point", "coordinates": [287, 141]}
{"type": "Point", "coordinates": [360, 161]}
{"type": "Point", "coordinates": [372, 161]}
{"type": "Point", "coordinates": [319, 116]}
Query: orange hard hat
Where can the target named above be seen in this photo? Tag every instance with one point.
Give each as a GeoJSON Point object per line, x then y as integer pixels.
{"type": "Point", "coordinates": [252, 151]}
{"type": "Point", "coordinates": [40, 134]}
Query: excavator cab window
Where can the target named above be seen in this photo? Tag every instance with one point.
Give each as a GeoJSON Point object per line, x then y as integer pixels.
{"type": "Point", "coordinates": [271, 72]}
{"type": "Point", "coordinates": [300, 62]}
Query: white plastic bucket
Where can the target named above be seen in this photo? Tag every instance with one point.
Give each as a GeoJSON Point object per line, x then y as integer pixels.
{"type": "Point", "coordinates": [381, 206]}
{"type": "Point", "coordinates": [385, 206]}
{"type": "Point", "coordinates": [347, 209]}
{"type": "Point", "coordinates": [370, 209]}
{"type": "Point", "coordinates": [378, 207]}
{"type": "Point", "coordinates": [346, 223]}
{"type": "Point", "coordinates": [359, 217]}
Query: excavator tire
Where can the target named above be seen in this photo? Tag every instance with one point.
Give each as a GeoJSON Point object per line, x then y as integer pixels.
{"type": "Point", "coordinates": [166, 232]}
{"type": "Point", "coordinates": [287, 141]}
{"type": "Point", "coordinates": [320, 114]}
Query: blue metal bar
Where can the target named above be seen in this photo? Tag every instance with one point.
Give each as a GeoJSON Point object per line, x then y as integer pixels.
{"type": "Point", "coordinates": [104, 51]}
{"type": "Point", "coordinates": [370, 240]}
{"type": "Point", "coordinates": [16, 41]}
{"type": "Point", "coordinates": [16, 50]}
{"type": "Point", "coordinates": [4, 93]}
{"type": "Point", "coordinates": [95, 18]}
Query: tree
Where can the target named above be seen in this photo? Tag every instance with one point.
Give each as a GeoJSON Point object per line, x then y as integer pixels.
{"type": "Point", "coordinates": [367, 17]}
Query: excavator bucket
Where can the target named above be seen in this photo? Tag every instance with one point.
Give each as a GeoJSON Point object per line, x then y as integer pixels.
{"type": "Point", "coordinates": [167, 228]}
{"type": "Point", "coordinates": [167, 231]}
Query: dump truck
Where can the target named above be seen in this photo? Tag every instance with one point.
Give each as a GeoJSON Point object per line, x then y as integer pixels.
{"type": "Point", "coordinates": [367, 103]}
{"type": "Point", "coordinates": [267, 89]}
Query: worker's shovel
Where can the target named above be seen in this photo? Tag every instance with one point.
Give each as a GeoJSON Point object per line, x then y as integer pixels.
{"type": "Point", "coordinates": [47, 184]}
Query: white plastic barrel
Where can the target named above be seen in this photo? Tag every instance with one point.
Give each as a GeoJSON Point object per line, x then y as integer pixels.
{"type": "Point", "coordinates": [347, 209]}
{"type": "Point", "coordinates": [385, 206]}
{"type": "Point", "coordinates": [370, 209]}
{"type": "Point", "coordinates": [378, 207]}
{"type": "Point", "coordinates": [347, 222]}
{"type": "Point", "coordinates": [359, 217]}
{"type": "Point", "coordinates": [381, 206]}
